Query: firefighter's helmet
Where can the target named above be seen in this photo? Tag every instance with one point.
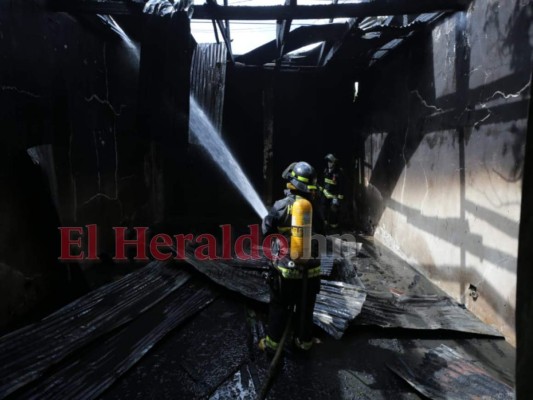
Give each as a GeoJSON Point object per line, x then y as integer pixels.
{"type": "Point", "coordinates": [331, 158]}
{"type": "Point", "coordinates": [301, 175]}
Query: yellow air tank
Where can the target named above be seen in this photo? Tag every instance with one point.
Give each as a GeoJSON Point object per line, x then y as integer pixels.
{"type": "Point", "coordinates": [301, 229]}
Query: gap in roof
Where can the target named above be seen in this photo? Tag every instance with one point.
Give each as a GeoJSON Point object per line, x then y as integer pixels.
{"type": "Point", "coordinates": [248, 35]}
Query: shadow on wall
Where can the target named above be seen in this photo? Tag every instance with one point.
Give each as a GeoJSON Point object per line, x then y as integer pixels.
{"type": "Point", "coordinates": [518, 29]}
{"type": "Point", "coordinates": [472, 244]}
{"type": "Point", "coordinates": [414, 111]}
{"type": "Point", "coordinates": [462, 237]}
{"type": "Point", "coordinates": [392, 162]}
{"type": "Point", "coordinates": [470, 109]}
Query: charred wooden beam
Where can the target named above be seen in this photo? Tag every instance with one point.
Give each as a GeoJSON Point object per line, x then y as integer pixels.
{"type": "Point", "coordinates": [299, 37]}
{"type": "Point", "coordinates": [283, 28]}
{"type": "Point", "coordinates": [227, 40]}
{"type": "Point", "coordinates": [226, 23]}
{"type": "Point", "coordinates": [111, 7]}
{"type": "Point", "coordinates": [208, 11]}
{"type": "Point", "coordinates": [329, 49]}
{"type": "Point", "coordinates": [333, 2]}
{"type": "Point", "coordinates": [366, 9]}
{"type": "Point", "coordinates": [223, 31]}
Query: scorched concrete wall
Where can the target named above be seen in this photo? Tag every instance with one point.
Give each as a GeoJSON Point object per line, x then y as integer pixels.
{"type": "Point", "coordinates": [446, 144]}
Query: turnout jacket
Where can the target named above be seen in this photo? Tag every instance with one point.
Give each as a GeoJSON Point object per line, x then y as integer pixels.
{"type": "Point", "coordinates": [333, 184]}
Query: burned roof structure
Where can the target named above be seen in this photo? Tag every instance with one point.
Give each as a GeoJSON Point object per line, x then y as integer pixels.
{"type": "Point", "coordinates": [372, 28]}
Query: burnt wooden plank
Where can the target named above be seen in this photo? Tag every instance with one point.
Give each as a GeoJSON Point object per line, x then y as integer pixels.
{"type": "Point", "coordinates": [299, 37]}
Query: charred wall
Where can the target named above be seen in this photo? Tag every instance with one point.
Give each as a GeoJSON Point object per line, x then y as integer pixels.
{"type": "Point", "coordinates": [75, 149]}
{"type": "Point", "coordinates": [444, 148]}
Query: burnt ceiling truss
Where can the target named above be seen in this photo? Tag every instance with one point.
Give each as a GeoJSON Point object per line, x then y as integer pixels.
{"type": "Point", "coordinates": [223, 26]}
{"type": "Point", "coordinates": [298, 38]}
{"type": "Point", "coordinates": [283, 28]}
{"type": "Point", "coordinates": [376, 27]}
{"type": "Point", "coordinates": [213, 11]}
{"type": "Point", "coordinates": [330, 47]}
{"type": "Point", "coordinates": [355, 44]}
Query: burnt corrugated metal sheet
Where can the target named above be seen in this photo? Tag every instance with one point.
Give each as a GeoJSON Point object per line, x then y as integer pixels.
{"type": "Point", "coordinates": [420, 312]}
{"type": "Point", "coordinates": [27, 353]}
{"type": "Point", "coordinates": [382, 23]}
{"type": "Point", "coordinates": [326, 265]}
{"type": "Point", "coordinates": [241, 276]}
{"type": "Point", "coordinates": [337, 304]}
{"type": "Point", "coordinates": [208, 78]}
{"type": "Point", "coordinates": [373, 25]}
{"type": "Point", "coordinates": [444, 374]}
{"type": "Point", "coordinates": [89, 375]}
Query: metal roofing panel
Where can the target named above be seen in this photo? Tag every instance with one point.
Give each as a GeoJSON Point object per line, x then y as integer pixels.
{"type": "Point", "coordinates": [27, 353]}
{"type": "Point", "coordinates": [420, 312]}
{"type": "Point", "coordinates": [337, 304]}
{"type": "Point", "coordinates": [208, 79]}
{"type": "Point", "coordinates": [442, 374]}
{"type": "Point", "coordinates": [91, 373]}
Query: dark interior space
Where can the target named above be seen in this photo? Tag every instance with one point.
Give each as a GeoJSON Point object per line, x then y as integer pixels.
{"type": "Point", "coordinates": [177, 119]}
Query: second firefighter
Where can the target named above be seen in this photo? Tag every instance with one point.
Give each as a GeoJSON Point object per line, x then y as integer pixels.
{"type": "Point", "coordinates": [332, 193]}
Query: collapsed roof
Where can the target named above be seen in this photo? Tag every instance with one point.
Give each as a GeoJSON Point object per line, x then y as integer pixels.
{"type": "Point", "coordinates": [305, 33]}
